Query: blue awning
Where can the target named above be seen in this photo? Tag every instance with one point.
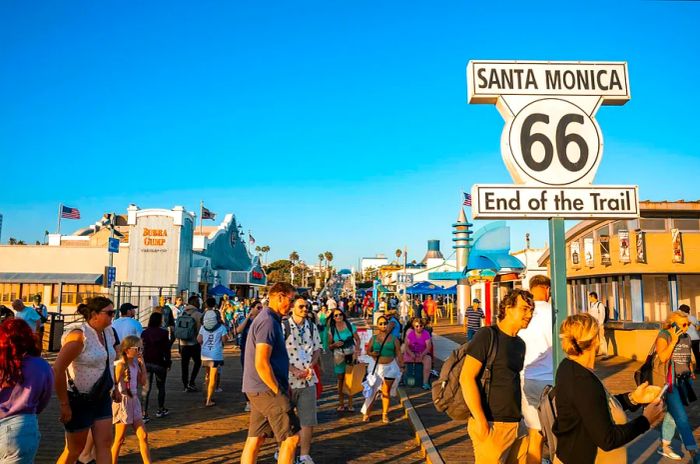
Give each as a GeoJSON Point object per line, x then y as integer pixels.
{"type": "Point", "coordinates": [49, 278]}
{"type": "Point", "coordinates": [220, 290]}
{"type": "Point", "coordinates": [494, 260]}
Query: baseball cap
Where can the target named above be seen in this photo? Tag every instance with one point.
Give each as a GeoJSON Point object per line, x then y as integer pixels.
{"type": "Point", "coordinates": [210, 320]}
{"type": "Point", "coordinates": [476, 300]}
{"type": "Point", "coordinates": [127, 306]}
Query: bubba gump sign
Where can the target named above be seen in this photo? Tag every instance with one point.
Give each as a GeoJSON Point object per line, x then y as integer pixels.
{"type": "Point", "coordinates": [154, 237]}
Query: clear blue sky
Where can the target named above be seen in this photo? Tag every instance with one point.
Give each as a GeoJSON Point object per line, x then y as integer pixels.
{"type": "Point", "coordinates": [337, 126]}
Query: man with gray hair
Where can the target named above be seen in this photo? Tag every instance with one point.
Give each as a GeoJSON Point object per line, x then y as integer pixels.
{"type": "Point", "coordinates": [27, 313]}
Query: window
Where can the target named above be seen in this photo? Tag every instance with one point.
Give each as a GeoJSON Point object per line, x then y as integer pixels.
{"type": "Point", "coordinates": [656, 297]}
{"type": "Point", "coordinates": [29, 290]}
{"type": "Point", "coordinates": [630, 225]}
{"type": "Point", "coordinates": [654, 224]}
{"type": "Point", "coordinates": [687, 224]}
{"type": "Point", "coordinates": [605, 230]}
{"type": "Point", "coordinates": [74, 294]}
{"type": "Point", "coordinates": [689, 292]}
{"type": "Point", "coordinates": [8, 293]}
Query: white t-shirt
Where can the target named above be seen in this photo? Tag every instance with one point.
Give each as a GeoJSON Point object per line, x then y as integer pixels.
{"type": "Point", "coordinates": [597, 310]}
{"type": "Point", "coordinates": [212, 343]}
{"type": "Point", "coordinates": [538, 344]}
{"type": "Point", "coordinates": [126, 326]}
{"type": "Point", "coordinates": [692, 331]}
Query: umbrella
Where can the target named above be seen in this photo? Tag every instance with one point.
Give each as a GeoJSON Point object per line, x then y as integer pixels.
{"type": "Point", "coordinates": [220, 290]}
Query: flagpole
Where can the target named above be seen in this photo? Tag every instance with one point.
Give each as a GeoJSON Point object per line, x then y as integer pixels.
{"type": "Point", "coordinates": [201, 214]}
{"type": "Point", "coordinates": [60, 208]}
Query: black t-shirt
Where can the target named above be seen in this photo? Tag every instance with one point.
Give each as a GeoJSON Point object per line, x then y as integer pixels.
{"type": "Point", "coordinates": [504, 395]}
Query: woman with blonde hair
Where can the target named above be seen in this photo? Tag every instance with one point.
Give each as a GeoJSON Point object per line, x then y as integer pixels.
{"type": "Point", "coordinates": [673, 365]}
{"type": "Point", "coordinates": [585, 409]}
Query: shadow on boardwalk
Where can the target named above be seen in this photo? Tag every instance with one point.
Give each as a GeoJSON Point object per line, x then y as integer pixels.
{"type": "Point", "coordinates": [452, 442]}
{"type": "Point", "coordinates": [195, 434]}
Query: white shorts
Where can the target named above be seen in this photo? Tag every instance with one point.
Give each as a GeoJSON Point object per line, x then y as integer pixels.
{"type": "Point", "coordinates": [389, 371]}
{"type": "Point", "coordinates": [531, 391]}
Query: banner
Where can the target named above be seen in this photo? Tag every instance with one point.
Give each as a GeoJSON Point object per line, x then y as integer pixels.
{"type": "Point", "coordinates": [641, 247]}
{"type": "Point", "coordinates": [605, 250]}
{"type": "Point", "coordinates": [588, 251]}
{"type": "Point", "coordinates": [576, 254]}
{"type": "Point", "coordinates": [624, 238]}
{"type": "Point", "coordinates": [677, 246]}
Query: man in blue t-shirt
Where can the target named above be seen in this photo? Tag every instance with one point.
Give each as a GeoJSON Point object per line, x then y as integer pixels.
{"type": "Point", "coordinates": [266, 380]}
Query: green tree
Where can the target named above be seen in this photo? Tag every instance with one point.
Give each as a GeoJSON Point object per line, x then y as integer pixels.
{"type": "Point", "coordinates": [278, 271]}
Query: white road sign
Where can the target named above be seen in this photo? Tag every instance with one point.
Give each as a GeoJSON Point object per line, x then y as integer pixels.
{"type": "Point", "coordinates": [551, 141]}
{"type": "Point", "coordinates": [524, 202]}
{"type": "Point", "coordinates": [488, 80]}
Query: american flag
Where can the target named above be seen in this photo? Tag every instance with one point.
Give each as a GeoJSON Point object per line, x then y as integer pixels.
{"type": "Point", "coordinates": [467, 199]}
{"type": "Point", "coordinates": [206, 214]}
{"type": "Point", "coordinates": [251, 240]}
{"type": "Point", "coordinates": [69, 213]}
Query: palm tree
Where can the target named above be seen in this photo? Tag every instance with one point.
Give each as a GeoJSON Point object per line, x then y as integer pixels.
{"type": "Point", "coordinates": [329, 257]}
{"type": "Point", "coordinates": [265, 249]}
{"type": "Point", "coordinates": [12, 241]}
{"type": "Point", "coordinates": [258, 249]}
{"type": "Point", "coordinates": [398, 253]}
{"type": "Point", "coordinates": [294, 258]}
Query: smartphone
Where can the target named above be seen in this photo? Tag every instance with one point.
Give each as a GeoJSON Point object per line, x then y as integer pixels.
{"type": "Point", "coordinates": [663, 391]}
{"type": "Point", "coordinates": [675, 326]}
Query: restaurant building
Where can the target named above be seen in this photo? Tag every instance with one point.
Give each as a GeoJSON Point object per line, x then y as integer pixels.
{"type": "Point", "coordinates": [161, 253]}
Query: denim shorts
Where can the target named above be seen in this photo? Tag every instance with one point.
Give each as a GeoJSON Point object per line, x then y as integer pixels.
{"type": "Point", "coordinates": [19, 439]}
{"type": "Point", "coordinates": [86, 412]}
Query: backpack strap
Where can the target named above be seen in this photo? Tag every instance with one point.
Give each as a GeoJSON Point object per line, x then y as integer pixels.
{"type": "Point", "coordinates": [287, 328]}
{"type": "Point", "coordinates": [490, 359]}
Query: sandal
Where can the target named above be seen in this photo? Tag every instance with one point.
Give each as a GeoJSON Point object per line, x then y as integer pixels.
{"type": "Point", "coordinates": [365, 418]}
{"type": "Point", "coordinates": [350, 408]}
{"type": "Point", "coordinates": [341, 408]}
{"type": "Point", "coordinates": [385, 418]}
{"type": "Point", "coordinates": [209, 404]}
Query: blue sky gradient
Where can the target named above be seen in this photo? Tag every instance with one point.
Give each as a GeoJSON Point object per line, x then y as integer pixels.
{"type": "Point", "coordinates": [337, 126]}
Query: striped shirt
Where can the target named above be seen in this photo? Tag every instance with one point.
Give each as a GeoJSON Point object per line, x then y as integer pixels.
{"type": "Point", "coordinates": [474, 317]}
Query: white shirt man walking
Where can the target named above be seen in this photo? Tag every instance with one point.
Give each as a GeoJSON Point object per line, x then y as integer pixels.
{"type": "Point", "coordinates": [304, 349]}
{"type": "Point", "coordinates": [538, 370]}
{"type": "Point", "coordinates": [597, 310]}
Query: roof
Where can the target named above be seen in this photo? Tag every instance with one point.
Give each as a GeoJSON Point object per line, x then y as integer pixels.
{"type": "Point", "coordinates": [50, 278]}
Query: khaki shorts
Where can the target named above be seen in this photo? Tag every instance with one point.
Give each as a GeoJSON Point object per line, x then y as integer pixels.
{"type": "Point", "coordinates": [304, 399]}
{"type": "Point", "coordinates": [272, 415]}
{"type": "Point", "coordinates": [496, 448]}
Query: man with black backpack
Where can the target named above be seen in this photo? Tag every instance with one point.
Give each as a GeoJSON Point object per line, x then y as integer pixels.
{"type": "Point", "coordinates": [490, 380]}
{"type": "Point", "coordinates": [186, 329]}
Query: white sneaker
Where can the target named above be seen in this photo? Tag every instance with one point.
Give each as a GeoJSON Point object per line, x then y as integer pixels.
{"type": "Point", "coordinates": [305, 460]}
{"type": "Point", "coordinates": [247, 407]}
{"type": "Point", "coordinates": [219, 390]}
{"type": "Point", "coordinates": [277, 455]}
{"type": "Point", "coordinates": [668, 452]}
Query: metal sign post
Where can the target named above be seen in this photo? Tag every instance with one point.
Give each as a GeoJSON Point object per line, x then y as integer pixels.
{"type": "Point", "coordinates": [552, 146]}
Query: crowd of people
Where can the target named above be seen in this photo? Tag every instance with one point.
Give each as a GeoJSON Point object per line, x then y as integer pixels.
{"type": "Point", "coordinates": [105, 371]}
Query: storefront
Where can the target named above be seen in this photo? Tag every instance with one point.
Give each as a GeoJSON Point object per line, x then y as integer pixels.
{"type": "Point", "coordinates": [159, 255]}
{"type": "Point", "coordinates": [641, 269]}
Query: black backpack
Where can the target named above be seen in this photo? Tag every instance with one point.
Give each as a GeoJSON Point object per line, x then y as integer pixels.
{"type": "Point", "coordinates": [446, 390]}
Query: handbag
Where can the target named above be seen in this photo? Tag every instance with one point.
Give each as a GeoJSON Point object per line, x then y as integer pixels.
{"type": "Point", "coordinates": [644, 373]}
{"type": "Point", "coordinates": [354, 374]}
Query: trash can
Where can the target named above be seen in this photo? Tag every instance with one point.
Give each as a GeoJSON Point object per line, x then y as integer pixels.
{"type": "Point", "coordinates": [55, 323]}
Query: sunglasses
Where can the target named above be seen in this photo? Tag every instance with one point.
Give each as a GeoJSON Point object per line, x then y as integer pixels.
{"type": "Point", "coordinates": [417, 325]}
{"type": "Point", "coordinates": [382, 324]}
{"type": "Point", "coordinates": [137, 348]}
{"type": "Point", "coordinates": [303, 306]}
{"type": "Point", "coordinates": [337, 315]}
{"type": "Point", "coordinates": [110, 313]}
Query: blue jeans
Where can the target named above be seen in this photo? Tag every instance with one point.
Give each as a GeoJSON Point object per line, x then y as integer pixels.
{"type": "Point", "coordinates": [19, 439]}
{"type": "Point", "coordinates": [677, 418]}
{"type": "Point", "coordinates": [470, 334]}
